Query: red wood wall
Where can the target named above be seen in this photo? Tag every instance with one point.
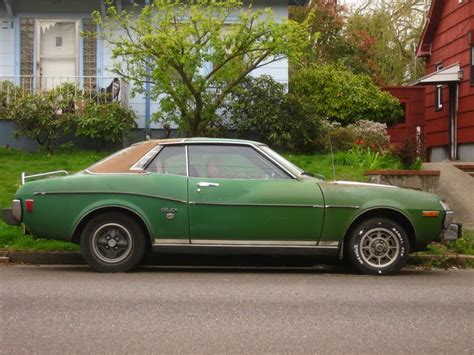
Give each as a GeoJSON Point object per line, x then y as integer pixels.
{"type": "Point", "coordinates": [451, 44]}
{"type": "Point", "coordinates": [414, 99]}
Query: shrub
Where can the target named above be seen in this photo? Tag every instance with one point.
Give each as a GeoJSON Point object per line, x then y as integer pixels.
{"type": "Point", "coordinates": [339, 95]}
{"type": "Point", "coordinates": [105, 123]}
{"type": "Point", "coordinates": [371, 134]}
{"type": "Point", "coordinates": [261, 108]}
{"type": "Point", "coordinates": [408, 152]}
{"type": "Point", "coordinates": [41, 117]}
{"type": "Point", "coordinates": [9, 92]}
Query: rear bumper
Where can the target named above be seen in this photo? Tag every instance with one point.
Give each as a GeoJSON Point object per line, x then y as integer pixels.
{"type": "Point", "coordinates": [9, 218]}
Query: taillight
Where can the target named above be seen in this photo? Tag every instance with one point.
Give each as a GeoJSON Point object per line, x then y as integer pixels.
{"type": "Point", "coordinates": [29, 205]}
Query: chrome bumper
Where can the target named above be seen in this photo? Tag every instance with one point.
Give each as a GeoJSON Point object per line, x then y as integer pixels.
{"type": "Point", "coordinates": [451, 231]}
{"type": "Point", "coordinates": [9, 218]}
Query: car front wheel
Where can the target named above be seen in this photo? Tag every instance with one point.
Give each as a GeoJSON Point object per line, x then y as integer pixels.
{"type": "Point", "coordinates": [377, 246]}
{"type": "Point", "coordinates": [112, 242]}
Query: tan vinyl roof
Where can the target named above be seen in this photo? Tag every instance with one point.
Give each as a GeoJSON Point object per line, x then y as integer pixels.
{"type": "Point", "coordinates": [122, 161]}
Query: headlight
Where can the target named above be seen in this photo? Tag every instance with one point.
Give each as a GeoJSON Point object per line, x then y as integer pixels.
{"type": "Point", "coordinates": [445, 205]}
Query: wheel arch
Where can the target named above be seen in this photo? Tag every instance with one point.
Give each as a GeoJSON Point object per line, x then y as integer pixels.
{"type": "Point", "coordinates": [85, 218]}
{"type": "Point", "coordinates": [386, 212]}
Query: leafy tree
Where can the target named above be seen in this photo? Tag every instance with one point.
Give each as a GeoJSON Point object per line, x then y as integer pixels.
{"type": "Point", "coordinates": [383, 36]}
{"type": "Point", "coordinates": [325, 23]}
{"type": "Point", "coordinates": [195, 52]}
{"type": "Point", "coordinates": [339, 95]}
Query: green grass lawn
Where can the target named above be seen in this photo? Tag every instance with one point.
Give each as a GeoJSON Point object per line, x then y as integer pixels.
{"type": "Point", "coordinates": [322, 164]}
{"type": "Point", "coordinates": [13, 163]}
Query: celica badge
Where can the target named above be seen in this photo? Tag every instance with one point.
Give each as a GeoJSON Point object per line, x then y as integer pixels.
{"type": "Point", "coordinates": [170, 212]}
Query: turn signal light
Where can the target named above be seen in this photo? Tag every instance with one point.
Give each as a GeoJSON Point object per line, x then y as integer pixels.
{"type": "Point", "coordinates": [29, 205]}
{"type": "Point", "coordinates": [430, 213]}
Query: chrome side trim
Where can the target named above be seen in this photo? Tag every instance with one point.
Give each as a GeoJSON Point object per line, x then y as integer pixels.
{"type": "Point", "coordinates": [143, 162]}
{"type": "Point", "coordinates": [253, 242]}
{"type": "Point", "coordinates": [253, 204]}
{"type": "Point", "coordinates": [107, 193]}
{"type": "Point", "coordinates": [25, 177]}
{"type": "Point", "coordinates": [253, 246]}
{"type": "Point", "coordinates": [172, 241]}
{"type": "Point", "coordinates": [328, 243]}
{"type": "Point", "coordinates": [342, 206]}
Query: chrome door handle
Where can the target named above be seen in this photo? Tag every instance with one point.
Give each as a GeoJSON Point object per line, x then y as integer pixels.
{"type": "Point", "coordinates": [208, 184]}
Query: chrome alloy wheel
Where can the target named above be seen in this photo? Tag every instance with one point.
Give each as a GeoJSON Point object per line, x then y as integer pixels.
{"type": "Point", "coordinates": [379, 247]}
{"type": "Point", "coordinates": [112, 243]}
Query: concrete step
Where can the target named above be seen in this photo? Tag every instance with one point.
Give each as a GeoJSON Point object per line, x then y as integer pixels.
{"type": "Point", "coordinates": [467, 168]}
{"type": "Point", "coordinates": [457, 188]}
{"type": "Point", "coordinates": [5, 260]}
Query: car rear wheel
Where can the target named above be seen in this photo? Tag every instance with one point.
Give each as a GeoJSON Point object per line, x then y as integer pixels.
{"type": "Point", "coordinates": [377, 246]}
{"type": "Point", "coordinates": [112, 242]}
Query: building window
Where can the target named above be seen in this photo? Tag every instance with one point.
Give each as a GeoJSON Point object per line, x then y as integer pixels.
{"type": "Point", "coordinates": [472, 65]}
{"type": "Point", "coordinates": [439, 92]}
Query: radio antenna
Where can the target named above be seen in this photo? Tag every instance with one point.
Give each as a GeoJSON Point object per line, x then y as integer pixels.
{"type": "Point", "coordinates": [332, 158]}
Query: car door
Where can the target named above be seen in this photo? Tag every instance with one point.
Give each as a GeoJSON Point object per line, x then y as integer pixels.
{"type": "Point", "coordinates": [239, 196]}
{"type": "Point", "coordinates": [169, 186]}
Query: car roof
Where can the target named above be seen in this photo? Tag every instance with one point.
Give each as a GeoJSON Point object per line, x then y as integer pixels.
{"type": "Point", "coordinates": [122, 161]}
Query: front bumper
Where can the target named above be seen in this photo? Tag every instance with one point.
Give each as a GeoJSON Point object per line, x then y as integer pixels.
{"type": "Point", "coordinates": [451, 231]}
{"type": "Point", "coordinates": [9, 218]}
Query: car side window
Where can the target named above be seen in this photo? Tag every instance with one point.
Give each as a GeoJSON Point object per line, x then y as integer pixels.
{"type": "Point", "coordinates": [231, 162]}
{"type": "Point", "coordinates": [171, 160]}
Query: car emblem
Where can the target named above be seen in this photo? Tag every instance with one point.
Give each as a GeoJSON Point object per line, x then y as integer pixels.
{"type": "Point", "coordinates": [170, 212]}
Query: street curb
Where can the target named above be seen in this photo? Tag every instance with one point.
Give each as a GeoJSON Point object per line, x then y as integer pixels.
{"type": "Point", "coordinates": [75, 258]}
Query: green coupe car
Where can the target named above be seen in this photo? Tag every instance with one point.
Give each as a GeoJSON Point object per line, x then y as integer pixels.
{"type": "Point", "coordinates": [220, 194]}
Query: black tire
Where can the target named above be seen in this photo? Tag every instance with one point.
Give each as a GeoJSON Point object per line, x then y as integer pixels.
{"type": "Point", "coordinates": [377, 246]}
{"type": "Point", "coordinates": [113, 242]}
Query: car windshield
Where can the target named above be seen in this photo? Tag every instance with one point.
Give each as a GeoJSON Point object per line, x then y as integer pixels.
{"type": "Point", "coordinates": [285, 163]}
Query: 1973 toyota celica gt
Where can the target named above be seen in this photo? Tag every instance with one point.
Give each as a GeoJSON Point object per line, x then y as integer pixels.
{"type": "Point", "coordinates": [216, 193]}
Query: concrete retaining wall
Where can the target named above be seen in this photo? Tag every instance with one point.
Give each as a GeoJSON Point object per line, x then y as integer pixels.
{"type": "Point", "coordinates": [423, 180]}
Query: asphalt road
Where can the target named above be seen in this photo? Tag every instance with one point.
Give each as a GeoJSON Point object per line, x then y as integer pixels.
{"type": "Point", "coordinates": [54, 309]}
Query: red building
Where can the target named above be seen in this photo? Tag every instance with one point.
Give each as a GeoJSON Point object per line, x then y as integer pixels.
{"type": "Point", "coordinates": [412, 125]}
{"type": "Point", "coordinates": [447, 44]}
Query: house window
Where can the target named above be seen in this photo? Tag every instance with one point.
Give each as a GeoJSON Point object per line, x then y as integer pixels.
{"type": "Point", "coordinates": [439, 92]}
{"type": "Point", "coordinates": [472, 65]}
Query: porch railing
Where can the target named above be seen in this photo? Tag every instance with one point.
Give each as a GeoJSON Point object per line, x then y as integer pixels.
{"type": "Point", "coordinates": [102, 89]}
